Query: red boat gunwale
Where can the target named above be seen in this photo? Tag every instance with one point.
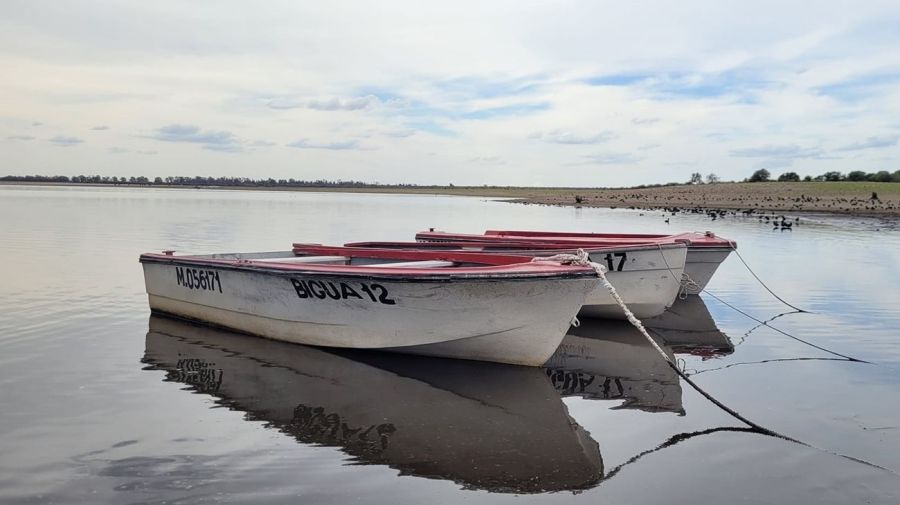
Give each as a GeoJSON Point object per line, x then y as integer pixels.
{"type": "Point", "coordinates": [576, 239]}
{"type": "Point", "coordinates": [696, 239]}
{"type": "Point", "coordinates": [496, 266]}
{"type": "Point", "coordinates": [499, 246]}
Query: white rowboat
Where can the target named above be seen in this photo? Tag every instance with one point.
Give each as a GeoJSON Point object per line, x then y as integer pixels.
{"type": "Point", "coordinates": [647, 277]}
{"type": "Point", "coordinates": [706, 251]}
{"type": "Point", "coordinates": [459, 305]}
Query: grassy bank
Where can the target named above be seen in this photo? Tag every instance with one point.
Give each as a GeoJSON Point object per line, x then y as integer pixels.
{"type": "Point", "coordinates": [833, 197]}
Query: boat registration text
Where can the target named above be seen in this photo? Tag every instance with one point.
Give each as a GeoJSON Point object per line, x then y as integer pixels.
{"type": "Point", "coordinates": [195, 278]}
{"type": "Point", "coordinates": [315, 289]}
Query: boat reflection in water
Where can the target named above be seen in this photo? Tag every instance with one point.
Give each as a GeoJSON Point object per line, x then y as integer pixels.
{"type": "Point", "coordinates": [488, 426]}
{"type": "Point", "coordinates": [611, 360]}
{"type": "Point", "coordinates": [501, 428]}
{"type": "Point", "coordinates": [688, 327]}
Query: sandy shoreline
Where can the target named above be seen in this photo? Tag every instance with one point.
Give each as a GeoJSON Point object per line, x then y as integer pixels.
{"type": "Point", "coordinates": [842, 198]}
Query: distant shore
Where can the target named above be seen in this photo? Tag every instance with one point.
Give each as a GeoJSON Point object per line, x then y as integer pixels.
{"type": "Point", "coordinates": [848, 198]}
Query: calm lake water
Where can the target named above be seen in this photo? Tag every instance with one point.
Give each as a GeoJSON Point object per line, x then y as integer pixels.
{"type": "Point", "coordinates": [102, 403]}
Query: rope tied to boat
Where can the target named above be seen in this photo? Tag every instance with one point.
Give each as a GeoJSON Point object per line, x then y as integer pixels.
{"type": "Point", "coordinates": [733, 247]}
{"type": "Point", "coordinates": [582, 258]}
{"type": "Point", "coordinates": [688, 283]}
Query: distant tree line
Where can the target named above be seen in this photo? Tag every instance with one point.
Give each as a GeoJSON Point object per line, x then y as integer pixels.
{"type": "Point", "coordinates": [763, 175]}
{"type": "Point", "coordinates": [189, 181]}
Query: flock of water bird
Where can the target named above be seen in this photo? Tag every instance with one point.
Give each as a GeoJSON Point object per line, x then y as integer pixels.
{"type": "Point", "coordinates": [779, 221]}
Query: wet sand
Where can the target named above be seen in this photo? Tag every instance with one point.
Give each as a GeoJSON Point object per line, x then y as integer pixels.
{"type": "Point", "coordinates": [790, 198]}
{"type": "Point", "coordinates": [772, 197]}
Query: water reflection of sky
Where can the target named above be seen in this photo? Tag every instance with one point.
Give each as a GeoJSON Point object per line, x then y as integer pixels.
{"type": "Point", "coordinates": [73, 317]}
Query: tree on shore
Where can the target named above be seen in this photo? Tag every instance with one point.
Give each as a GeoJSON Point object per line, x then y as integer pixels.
{"type": "Point", "coordinates": [832, 176]}
{"type": "Point", "coordinates": [712, 178]}
{"type": "Point", "coordinates": [882, 176]}
{"type": "Point", "coordinates": [696, 178]}
{"type": "Point", "coordinates": [789, 177]}
{"type": "Point", "coordinates": [761, 175]}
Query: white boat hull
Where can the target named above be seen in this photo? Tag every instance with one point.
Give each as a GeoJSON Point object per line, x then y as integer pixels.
{"type": "Point", "coordinates": [701, 264]}
{"type": "Point", "coordinates": [702, 260]}
{"type": "Point", "coordinates": [518, 321]}
{"type": "Point", "coordinates": [647, 279]}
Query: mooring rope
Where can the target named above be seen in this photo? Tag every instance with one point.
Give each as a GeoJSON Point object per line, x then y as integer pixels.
{"type": "Point", "coordinates": [687, 278]}
{"type": "Point", "coordinates": [786, 334]}
{"type": "Point", "coordinates": [583, 259]}
{"type": "Point", "coordinates": [686, 284]}
{"type": "Point", "coordinates": [780, 299]}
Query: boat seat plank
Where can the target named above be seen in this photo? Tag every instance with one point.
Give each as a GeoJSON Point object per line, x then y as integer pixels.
{"type": "Point", "coordinates": [327, 260]}
{"type": "Point", "coordinates": [416, 264]}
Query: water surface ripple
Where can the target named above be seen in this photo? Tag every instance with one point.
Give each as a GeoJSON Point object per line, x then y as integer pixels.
{"type": "Point", "coordinates": [103, 403]}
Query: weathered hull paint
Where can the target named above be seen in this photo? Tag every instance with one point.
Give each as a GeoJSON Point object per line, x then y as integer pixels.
{"type": "Point", "coordinates": [648, 282]}
{"type": "Point", "coordinates": [647, 277]}
{"type": "Point", "coordinates": [705, 250]}
{"type": "Point", "coordinates": [518, 321]}
{"type": "Point", "coordinates": [702, 263]}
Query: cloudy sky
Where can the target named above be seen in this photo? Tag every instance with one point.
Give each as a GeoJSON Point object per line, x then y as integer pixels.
{"type": "Point", "coordinates": [572, 93]}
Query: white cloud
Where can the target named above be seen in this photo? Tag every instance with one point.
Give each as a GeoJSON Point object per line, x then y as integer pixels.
{"type": "Point", "coordinates": [213, 140]}
{"type": "Point", "coordinates": [344, 145]}
{"type": "Point", "coordinates": [326, 104]}
{"type": "Point", "coordinates": [565, 137]}
{"type": "Point", "coordinates": [63, 141]}
{"type": "Point", "coordinates": [612, 158]}
{"type": "Point", "coordinates": [489, 160]}
{"type": "Point", "coordinates": [876, 142]}
{"type": "Point", "coordinates": [767, 82]}
{"type": "Point", "coordinates": [778, 151]}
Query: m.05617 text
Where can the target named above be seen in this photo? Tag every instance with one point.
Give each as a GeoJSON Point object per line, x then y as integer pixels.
{"type": "Point", "coordinates": [193, 278]}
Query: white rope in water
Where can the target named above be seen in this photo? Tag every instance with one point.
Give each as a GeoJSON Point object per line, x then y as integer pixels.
{"type": "Point", "coordinates": [582, 258]}
{"type": "Point", "coordinates": [780, 299]}
{"type": "Point", "coordinates": [683, 292]}
{"type": "Point", "coordinates": [687, 284]}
